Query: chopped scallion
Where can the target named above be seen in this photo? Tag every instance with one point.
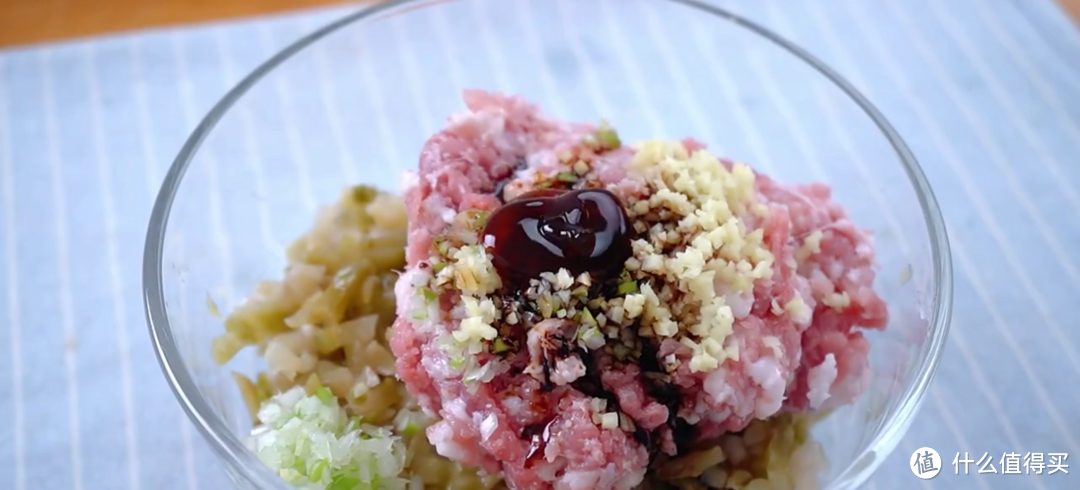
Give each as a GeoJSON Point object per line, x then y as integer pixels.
{"type": "Point", "coordinates": [567, 177]}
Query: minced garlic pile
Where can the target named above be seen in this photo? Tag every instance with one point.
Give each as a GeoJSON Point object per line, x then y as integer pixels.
{"type": "Point", "coordinates": [693, 240]}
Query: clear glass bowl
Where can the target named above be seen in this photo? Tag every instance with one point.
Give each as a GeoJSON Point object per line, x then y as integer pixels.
{"type": "Point", "coordinates": [354, 101]}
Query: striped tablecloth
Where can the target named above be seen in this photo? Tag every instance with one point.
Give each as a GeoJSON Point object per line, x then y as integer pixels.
{"type": "Point", "coordinates": [987, 93]}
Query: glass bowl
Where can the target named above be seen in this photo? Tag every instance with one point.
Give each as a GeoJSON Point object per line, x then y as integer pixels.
{"type": "Point", "coordinates": [354, 101]}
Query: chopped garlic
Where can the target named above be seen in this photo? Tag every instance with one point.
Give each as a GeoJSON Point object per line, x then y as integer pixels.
{"type": "Point", "coordinates": [703, 362]}
{"type": "Point", "coordinates": [473, 271]}
{"type": "Point", "coordinates": [563, 279]}
{"type": "Point", "coordinates": [665, 328]}
{"type": "Point", "coordinates": [633, 305]}
{"type": "Point", "coordinates": [476, 327]}
{"type": "Point", "coordinates": [837, 301]}
{"type": "Point", "coordinates": [775, 307]}
{"type": "Point", "coordinates": [772, 342]}
{"type": "Point", "coordinates": [609, 421]}
{"type": "Point", "coordinates": [811, 245]}
{"type": "Point", "coordinates": [799, 312]}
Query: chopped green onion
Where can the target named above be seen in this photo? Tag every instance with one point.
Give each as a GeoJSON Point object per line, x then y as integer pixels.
{"type": "Point", "coordinates": [567, 177]}
{"type": "Point", "coordinates": [429, 294]}
{"type": "Point", "coordinates": [591, 338]}
{"type": "Point", "coordinates": [627, 288]}
{"type": "Point", "coordinates": [479, 219]}
{"type": "Point", "coordinates": [354, 423]}
{"type": "Point", "coordinates": [342, 482]}
{"type": "Point", "coordinates": [587, 317]}
{"type": "Point", "coordinates": [442, 246]}
{"type": "Point", "coordinates": [325, 395]}
{"type": "Point", "coordinates": [312, 444]}
{"type": "Point", "coordinates": [621, 351]}
{"type": "Point", "coordinates": [499, 346]}
{"type": "Point", "coordinates": [473, 219]}
{"type": "Point", "coordinates": [317, 470]}
{"type": "Point", "coordinates": [438, 267]}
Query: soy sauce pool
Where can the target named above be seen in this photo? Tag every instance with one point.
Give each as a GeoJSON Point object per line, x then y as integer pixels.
{"type": "Point", "coordinates": [584, 230]}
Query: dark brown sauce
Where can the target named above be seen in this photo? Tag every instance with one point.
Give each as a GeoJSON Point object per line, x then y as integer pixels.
{"type": "Point", "coordinates": [590, 385]}
{"type": "Point", "coordinates": [542, 231]}
{"type": "Point", "coordinates": [539, 435]}
{"type": "Point", "coordinates": [684, 434]}
{"type": "Point", "coordinates": [659, 387]}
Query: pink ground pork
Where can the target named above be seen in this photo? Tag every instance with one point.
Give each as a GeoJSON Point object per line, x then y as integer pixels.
{"type": "Point", "coordinates": [517, 407]}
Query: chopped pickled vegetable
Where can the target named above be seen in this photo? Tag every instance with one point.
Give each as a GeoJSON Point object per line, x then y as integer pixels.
{"type": "Point", "coordinates": [323, 329]}
{"type": "Point", "coordinates": [314, 386]}
{"type": "Point", "coordinates": [212, 306]}
{"type": "Point", "coordinates": [362, 194]}
{"type": "Point", "coordinates": [607, 138]}
{"type": "Point", "coordinates": [257, 323]}
{"type": "Point", "coordinates": [329, 305]}
{"type": "Point", "coordinates": [225, 347]}
{"type": "Point", "coordinates": [328, 339]}
{"type": "Point", "coordinates": [249, 392]}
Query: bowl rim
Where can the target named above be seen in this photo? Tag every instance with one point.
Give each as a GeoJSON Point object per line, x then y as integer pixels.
{"type": "Point", "coordinates": [240, 460]}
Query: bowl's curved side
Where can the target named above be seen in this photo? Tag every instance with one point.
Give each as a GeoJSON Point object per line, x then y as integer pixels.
{"type": "Point", "coordinates": [899, 420]}
{"type": "Point", "coordinates": [213, 428]}
{"type": "Point", "coordinates": [241, 461]}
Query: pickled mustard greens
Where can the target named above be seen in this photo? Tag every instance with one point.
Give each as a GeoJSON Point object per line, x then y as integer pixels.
{"type": "Point", "coordinates": [770, 454]}
{"type": "Point", "coordinates": [328, 412]}
{"type": "Point", "coordinates": [333, 275]}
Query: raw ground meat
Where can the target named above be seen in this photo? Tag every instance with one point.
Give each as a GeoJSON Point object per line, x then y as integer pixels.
{"type": "Point", "coordinates": [547, 438]}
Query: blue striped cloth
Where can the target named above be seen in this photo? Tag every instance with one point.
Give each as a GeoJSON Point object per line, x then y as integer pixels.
{"type": "Point", "coordinates": [987, 93]}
